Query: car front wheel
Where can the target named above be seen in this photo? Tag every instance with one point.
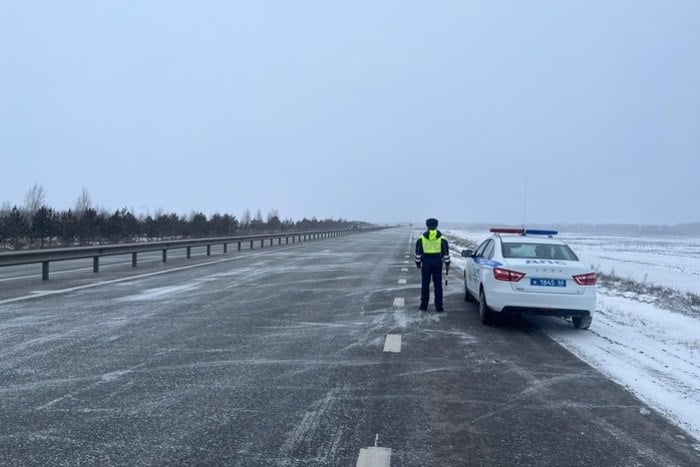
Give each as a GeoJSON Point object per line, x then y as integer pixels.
{"type": "Point", "coordinates": [467, 296]}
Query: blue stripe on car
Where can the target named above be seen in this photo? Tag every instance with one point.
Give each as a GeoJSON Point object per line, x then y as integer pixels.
{"type": "Point", "coordinates": [487, 262]}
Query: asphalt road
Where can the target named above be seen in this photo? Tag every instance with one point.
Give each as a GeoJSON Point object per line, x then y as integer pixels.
{"type": "Point", "coordinates": [276, 357]}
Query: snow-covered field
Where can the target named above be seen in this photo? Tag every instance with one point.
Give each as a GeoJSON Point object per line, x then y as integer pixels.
{"type": "Point", "coordinates": [648, 348]}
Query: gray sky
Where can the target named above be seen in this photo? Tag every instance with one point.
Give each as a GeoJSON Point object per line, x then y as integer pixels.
{"type": "Point", "coordinates": [380, 111]}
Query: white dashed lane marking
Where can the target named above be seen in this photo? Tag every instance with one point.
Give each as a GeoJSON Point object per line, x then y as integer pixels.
{"type": "Point", "coordinates": [404, 269]}
{"type": "Point", "coordinates": [402, 281]}
{"type": "Point", "coordinates": [399, 302]}
{"type": "Point", "coordinates": [374, 457]}
{"type": "Point", "coordinates": [392, 343]}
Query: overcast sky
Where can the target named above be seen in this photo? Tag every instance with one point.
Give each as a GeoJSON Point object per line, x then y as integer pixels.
{"type": "Point", "coordinates": [378, 110]}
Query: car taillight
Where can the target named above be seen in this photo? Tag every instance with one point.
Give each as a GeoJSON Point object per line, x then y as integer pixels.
{"type": "Point", "coordinates": [585, 279]}
{"type": "Point", "coordinates": [501, 274]}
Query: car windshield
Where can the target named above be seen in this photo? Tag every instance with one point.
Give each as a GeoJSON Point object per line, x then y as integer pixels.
{"type": "Point", "coordinates": [537, 251]}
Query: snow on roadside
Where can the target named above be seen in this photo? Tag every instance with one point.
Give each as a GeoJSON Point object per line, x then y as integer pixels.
{"type": "Point", "coordinates": [669, 262]}
{"type": "Point", "coordinates": [651, 351]}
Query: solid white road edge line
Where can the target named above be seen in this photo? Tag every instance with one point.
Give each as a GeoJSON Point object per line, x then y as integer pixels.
{"type": "Point", "coordinates": [374, 457]}
{"type": "Point", "coordinates": [392, 343]}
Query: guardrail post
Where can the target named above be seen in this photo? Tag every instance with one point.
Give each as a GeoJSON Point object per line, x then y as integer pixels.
{"type": "Point", "coordinates": [239, 246]}
{"type": "Point", "coordinates": [262, 243]}
{"type": "Point", "coordinates": [251, 244]}
{"type": "Point", "coordinates": [189, 252]}
{"type": "Point", "coordinates": [279, 241]}
{"type": "Point", "coordinates": [286, 239]}
{"type": "Point", "coordinates": [165, 256]}
{"type": "Point", "coordinates": [95, 264]}
{"type": "Point", "coordinates": [225, 248]}
{"type": "Point", "coordinates": [271, 241]}
{"type": "Point", "coordinates": [44, 270]}
{"type": "Point", "coordinates": [208, 250]}
{"type": "Point", "coordinates": [133, 260]}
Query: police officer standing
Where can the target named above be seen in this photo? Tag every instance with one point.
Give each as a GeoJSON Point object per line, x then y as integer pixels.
{"type": "Point", "coordinates": [431, 251]}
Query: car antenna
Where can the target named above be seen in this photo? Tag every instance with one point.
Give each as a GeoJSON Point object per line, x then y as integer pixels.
{"type": "Point", "coordinates": [525, 202]}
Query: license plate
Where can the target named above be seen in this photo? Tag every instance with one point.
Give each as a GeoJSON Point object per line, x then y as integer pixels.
{"type": "Point", "coordinates": [548, 282]}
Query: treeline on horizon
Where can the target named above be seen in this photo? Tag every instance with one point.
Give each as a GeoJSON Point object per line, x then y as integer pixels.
{"type": "Point", "coordinates": [37, 225]}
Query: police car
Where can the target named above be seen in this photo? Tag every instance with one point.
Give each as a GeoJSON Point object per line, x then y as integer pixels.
{"type": "Point", "coordinates": [529, 271]}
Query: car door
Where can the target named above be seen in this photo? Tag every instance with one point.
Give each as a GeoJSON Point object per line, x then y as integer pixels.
{"type": "Point", "coordinates": [474, 266]}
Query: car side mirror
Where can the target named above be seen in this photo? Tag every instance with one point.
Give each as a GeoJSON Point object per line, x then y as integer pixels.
{"type": "Point", "coordinates": [467, 253]}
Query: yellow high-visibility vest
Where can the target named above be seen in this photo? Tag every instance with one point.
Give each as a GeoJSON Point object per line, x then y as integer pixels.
{"type": "Point", "coordinates": [432, 244]}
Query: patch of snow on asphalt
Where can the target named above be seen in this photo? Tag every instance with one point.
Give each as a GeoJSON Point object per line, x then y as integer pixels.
{"type": "Point", "coordinates": [159, 292]}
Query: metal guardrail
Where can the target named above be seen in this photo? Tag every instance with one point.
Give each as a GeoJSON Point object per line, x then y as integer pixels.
{"type": "Point", "coordinates": [46, 256]}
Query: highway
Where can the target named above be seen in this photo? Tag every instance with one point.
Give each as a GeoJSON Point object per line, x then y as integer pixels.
{"type": "Point", "coordinates": [281, 356]}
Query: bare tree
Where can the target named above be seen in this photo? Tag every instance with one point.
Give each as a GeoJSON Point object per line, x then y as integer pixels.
{"type": "Point", "coordinates": [83, 203]}
{"type": "Point", "coordinates": [34, 199]}
{"type": "Point", "coordinates": [246, 218]}
{"type": "Point", "coordinates": [273, 220]}
{"type": "Point", "coordinates": [272, 214]}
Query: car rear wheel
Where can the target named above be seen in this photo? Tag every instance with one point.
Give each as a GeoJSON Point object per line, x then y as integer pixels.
{"type": "Point", "coordinates": [485, 314]}
{"type": "Point", "coordinates": [581, 322]}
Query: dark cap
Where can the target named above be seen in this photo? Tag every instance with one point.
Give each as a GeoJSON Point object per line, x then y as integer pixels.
{"type": "Point", "coordinates": [431, 223]}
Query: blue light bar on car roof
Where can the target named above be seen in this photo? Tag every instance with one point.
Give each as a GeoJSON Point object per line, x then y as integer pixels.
{"type": "Point", "coordinates": [540, 232]}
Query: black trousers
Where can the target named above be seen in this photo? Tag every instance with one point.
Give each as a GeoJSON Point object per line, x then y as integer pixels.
{"type": "Point", "coordinates": [431, 268]}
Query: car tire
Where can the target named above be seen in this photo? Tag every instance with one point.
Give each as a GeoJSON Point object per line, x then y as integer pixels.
{"type": "Point", "coordinates": [581, 322]}
{"type": "Point", "coordinates": [485, 314]}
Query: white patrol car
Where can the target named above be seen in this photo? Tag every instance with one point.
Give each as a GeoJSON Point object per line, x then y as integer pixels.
{"type": "Point", "coordinates": [529, 271]}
